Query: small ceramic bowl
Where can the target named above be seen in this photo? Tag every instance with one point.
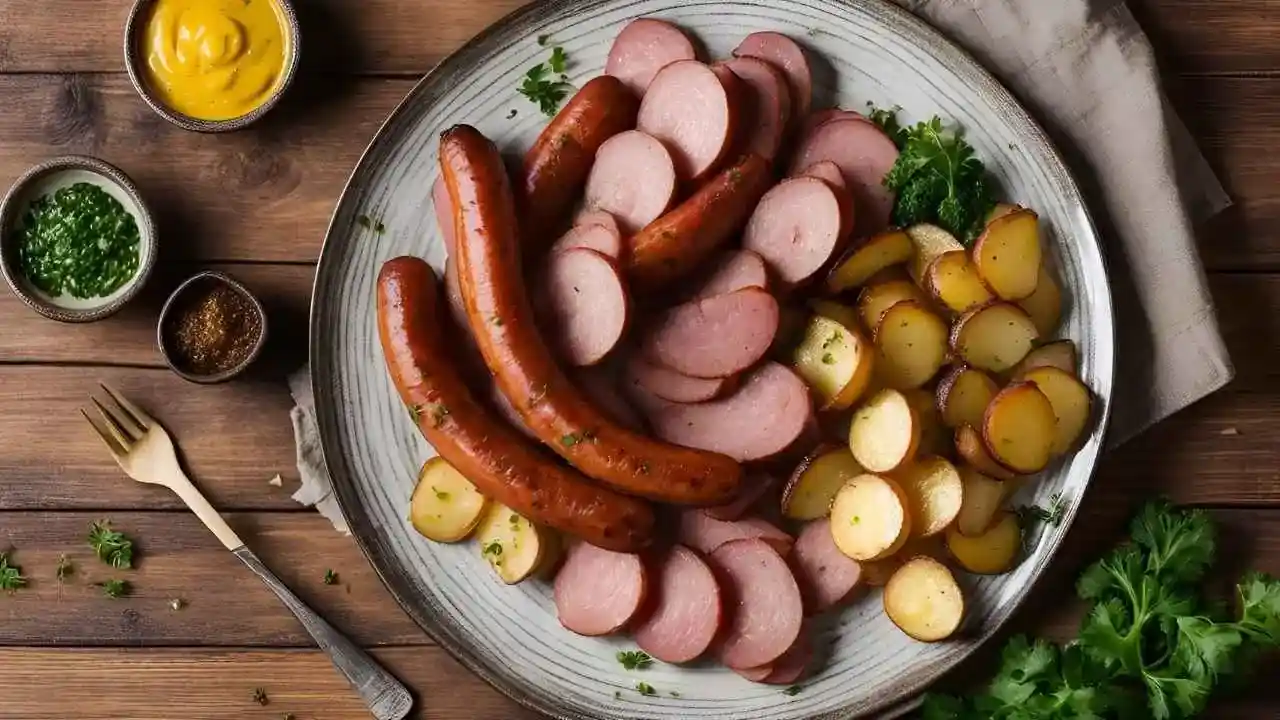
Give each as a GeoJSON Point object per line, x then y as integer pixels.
{"type": "Point", "coordinates": [197, 283]}
{"type": "Point", "coordinates": [50, 176]}
{"type": "Point", "coordinates": [135, 62]}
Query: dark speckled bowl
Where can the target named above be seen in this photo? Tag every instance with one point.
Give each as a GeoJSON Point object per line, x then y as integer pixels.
{"type": "Point", "coordinates": [206, 279]}
{"type": "Point", "coordinates": [135, 63]}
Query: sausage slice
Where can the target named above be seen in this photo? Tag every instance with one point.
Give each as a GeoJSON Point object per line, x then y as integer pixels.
{"type": "Point", "coordinates": [633, 178]}
{"type": "Point", "coordinates": [770, 104]}
{"type": "Point", "coordinates": [756, 486]}
{"type": "Point", "coordinates": [787, 55]}
{"type": "Point", "coordinates": [826, 575]}
{"type": "Point", "coordinates": [671, 385]}
{"type": "Point", "coordinates": [598, 591]}
{"type": "Point", "coordinates": [717, 336]}
{"type": "Point", "coordinates": [796, 228]}
{"type": "Point", "coordinates": [864, 155]}
{"type": "Point", "coordinates": [829, 172]}
{"type": "Point", "coordinates": [588, 217]}
{"type": "Point", "coordinates": [764, 604]}
{"type": "Point", "coordinates": [793, 663]}
{"type": "Point", "coordinates": [644, 47]}
{"type": "Point", "coordinates": [704, 533]}
{"type": "Point", "coordinates": [600, 238]}
{"type": "Point", "coordinates": [586, 304]}
{"type": "Point", "coordinates": [686, 614]}
{"type": "Point", "coordinates": [822, 116]}
{"type": "Point", "coordinates": [734, 270]}
{"type": "Point", "coordinates": [688, 108]}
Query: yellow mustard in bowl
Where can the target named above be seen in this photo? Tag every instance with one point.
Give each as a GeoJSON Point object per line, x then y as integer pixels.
{"type": "Point", "coordinates": [215, 59]}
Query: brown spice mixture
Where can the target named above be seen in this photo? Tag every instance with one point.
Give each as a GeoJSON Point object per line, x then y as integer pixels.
{"type": "Point", "coordinates": [214, 331]}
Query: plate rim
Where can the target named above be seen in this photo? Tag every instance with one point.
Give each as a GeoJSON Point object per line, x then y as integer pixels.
{"type": "Point", "coordinates": [905, 697]}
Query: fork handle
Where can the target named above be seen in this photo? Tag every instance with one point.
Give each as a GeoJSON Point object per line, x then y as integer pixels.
{"type": "Point", "coordinates": [385, 697]}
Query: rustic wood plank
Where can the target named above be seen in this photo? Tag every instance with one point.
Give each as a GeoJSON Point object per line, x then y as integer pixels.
{"type": "Point", "coordinates": [1211, 36]}
{"type": "Point", "coordinates": [178, 557]}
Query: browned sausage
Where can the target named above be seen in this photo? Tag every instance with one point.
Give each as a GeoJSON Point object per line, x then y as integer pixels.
{"type": "Point", "coordinates": [502, 320]}
{"type": "Point", "coordinates": [501, 463]}
{"type": "Point", "coordinates": [672, 246]}
{"type": "Point", "coordinates": [556, 167]}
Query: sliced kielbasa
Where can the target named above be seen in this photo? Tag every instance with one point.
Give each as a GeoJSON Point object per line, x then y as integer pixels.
{"type": "Point", "coordinates": [763, 603]}
{"type": "Point", "coordinates": [705, 534]}
{"type": "Point", "coordinates": [826, 575]}
{"type": "Point", "coordinates": [669, 384]}
{"type": "Point", "coordinates": [633, 178]}
{"type": "Point", "coordinates": [797, 228]}
{"type": "Point", "coordinates": [717, 336]}
{"type": "Point", "coordinates": [586, 304]}
{"type": "Point", "coordinates": [686, 613]}
{"type": "Point", "coordinates": [734, 270]}
{"type": "Point", "coordinates": [864, 155]}
{"type": "Point", "coordinates": [598, 591]}
{"type": "Point", "coordinates": [689, 109]}
{"type": "Point", "coordinates": [787, 56]}
{"type": "Point", "coordinates": [770, 103]}
{"type": "Point", "coordinates": [645, 46]}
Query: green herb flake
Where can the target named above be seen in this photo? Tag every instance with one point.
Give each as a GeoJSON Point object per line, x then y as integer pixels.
{"type": "Point", "coordinates": [828, 359]}
{"type": "Point", "coordinates": [855, 520]}
{"type": "Point", "coordinates": [835, 338]}
{"type": "Point", "coordinates": [78, 241]}
{"type": "Point", "coordinates": [364, 221]}
{"type": "Point", "coordinates": [792, 691]}
{"type": "Point", "coordinates": [542, 40]}
{"type": "Point", "coordinates": [558, 60]}
{"type": "Point", "coordinates": [260, 696]}
{"type": "Point", "coordinates": [438, 412]}
{"type": "Point", "coordinates": [540, 86]}
{"type": "Point", "coordinates": [112, 547]}
{"type": "Point", "coordinates": [11, 577]}
{"type": "Point", "coordinates": [441, 495]}
{"type": "Point", "coordinates": [571, 439]}
{"type": "Point", "coordinates": [493, 548]}
{"type": "Point", "coordinates": [645, 689]}
{"type": "Point", "coordinates": [634, 659]}
{"type": "Point", "coordinates": [617, 694]}
{"type": "Point", "coordinates": [330, 577]}
{"type": "Point", "coordinates": [65, 568]}
{"type": "Point", "coordinates": [115, 588]}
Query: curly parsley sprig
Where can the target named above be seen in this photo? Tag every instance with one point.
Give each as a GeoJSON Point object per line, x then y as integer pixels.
{"type": "Point", "coordinates": [546, 84]}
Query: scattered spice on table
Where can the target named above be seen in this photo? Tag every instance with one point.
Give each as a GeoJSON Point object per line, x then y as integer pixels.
{"type": "Point", "coordinates": [115, 588]}
{"type": "Point", "coordinates": [65, 568]}
{"type": "Point", "coordinates": [646, 689]}
{"type": "Point", "coordinates": [330, 577]}
{"type": "Point", "coordinates": [11, 577]}
{"type": "Point", "coordinates": [78, 241]}
{"type": "Point", "coordinates": [177, 604]}
{"type": "Point", "coordinates": [214, 330]}
{"type": "Point", "coordinates": [260, 696]}
{"type": "Point", "coordinates": [112, 547]}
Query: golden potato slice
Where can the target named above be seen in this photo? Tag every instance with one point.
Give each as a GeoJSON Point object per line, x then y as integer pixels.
{"type": "Point", "coordinates": [970, 448]}
{"type": "Point", "coordinates": [885, 432]}
{"type": "Point", "coordinates": [954, 281]}
{"type": "Point", "coordinates": [1070, 400]}
{"type": "Point", "coordinates": [841, 313]}
{"type": "Point", "coordinates": [1008, 255]}
{"type": "Point", "coordinates": [835, 360]}
{"type": "Point", "coordinates": [934, 494]}
{"type": "Point", "coordinates": [930, 241]}
{"type": "Point", "coordinates": [935, 438]}
{"type": "Point", "coordinates": [892, 273]}
{"type": "Point", "coordinates": [875, 299]}
{"type": "Point", "coordinates": [912, 343]}
{"type": "Point", "coordinates": [887, 249]}
{"type": "Point", "coordinates": [994, 337]}
{"type": "Point", "coordinates": [963, 395]}
{"type": "Point", "coordinates": [983, 498]}
{"type": "Point", "coordinates": [924, 600]}
{"type": "Point", "coordinates": [990, 553]}
{"type": "Point", "coordinates": [445, 506]}
{"type": "Point", "coordinates": [514, 546]}
{"type": "Point", "coordinates": [815, 482]}
{"type": "Point", "coordinates": [869, 518]}
{"type": "Point", "coordinates": [1045, 304]}
{"type": "Point", "coordinates": [1000, 210]}
{"type": "Point", "coordinates": [1019, 428]}
{"type": "Point", "coordinates": [1059, 353]}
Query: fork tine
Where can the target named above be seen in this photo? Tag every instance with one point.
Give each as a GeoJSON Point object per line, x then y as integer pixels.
{"type": "Point", "coordinates": [139, 417]}
{"type": "Point", "coordinates": [119, 420]}
{"type": "Point", "coordinates": [108, 438]}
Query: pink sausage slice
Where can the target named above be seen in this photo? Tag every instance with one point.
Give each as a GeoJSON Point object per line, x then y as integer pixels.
{"type": "Point", "coordinates": [585, 303]}
{"type": "Point", "coordinates": [686, 615]}
{"type": "Point", "coordinates": [444, 213]}
{"type": "Point", "coordinates": [793, 663]}
{"type": "Point", "coordinates": [644, 47]}
{"type": "Point", "coordinates": [770, 104]}
{"type": "Point", "coordinates": [755, 674]}
{"type": "Point", "coordinates": [787, 56]}
{"type": "Point", "coordinates": [588, 217]}
{"type": "Point", "coordinates": [606, 241]}
{"type": "Point", "coordinates": [671, 385]}
{"type": "Point", "coordinates": [704, 533]}
{"type": "Point", "coordinates": [734, 270]}
{"type": "Point", "coordinates": [826, 575]}
{"type": "Point", "coordinates": [598, 591]}
{"type": "Point", "coordinates": [830, 173]}
{"type": "Point", "coordinates": [717, 336]}
{"type": "Point", "coordinates": [822, 116]}
{"type": "Point", "coordinates": [688, 108]}
{"type": "Point", "coordinates": [796, 228]}
{"type": "Point", "coordinates": [864, 155]}
{"type": "Point", "coordinates": [763, 604]}
{"type": "Point", "coordinates": [756, 486]}
{"type": "Point", "coordinates": [600, 389]}
{"type": "Point", "coordinates": [764, 417]}
{"type": "Point", "coordinates": [633, 179]}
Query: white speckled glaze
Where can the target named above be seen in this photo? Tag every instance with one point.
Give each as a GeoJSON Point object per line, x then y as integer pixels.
{"type": "Point", "coordinates": [863, 50]}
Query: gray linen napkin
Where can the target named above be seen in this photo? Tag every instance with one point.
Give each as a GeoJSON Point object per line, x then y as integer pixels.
{"type": "Point", "coordinates": [1085, 70]}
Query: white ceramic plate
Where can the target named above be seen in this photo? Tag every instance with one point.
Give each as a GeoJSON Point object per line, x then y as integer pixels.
{"type": "Point", "coordinates": [863, 50]}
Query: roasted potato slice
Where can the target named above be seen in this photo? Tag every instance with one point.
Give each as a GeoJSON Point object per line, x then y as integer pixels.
{"type": "Point", "coordinates": [930, 241]}
{"type": "Point", "coordinates": [983, 497]}
{"type": "Point", "coordinates": [1059, 353]}
{"type": "Point", "coordinates": [1071, 403]}
{"type": "Point", "coordinates": [1008, 254]}
{"type": "Point", "coordinates": [935, 438]}
{"type": "Point", "coordinates": [1019, 428]}
{"type": "Point", "coordinates": [1045, 304]}
{"type": "Point", "coordinates": [963, 396]}
{"type": "Point", "coordinates": [1000, 210]}
{"type": "Point", "coordinates": [924, 600]}
{"type": "Point", "coordinates": [994, 337]}
{"type": "Point", "coordinates": [815, 482]}
{"type": "Point", "coordinates": [875, 299]}
{"type": "Point", "coordinates": [990, 553]}
{"type": "Point", "coordinates": [912, 343]}
{"type": "Point", "coordinates": [869, 518]}
{"type": "Point", "coordinates": [934, 494]}
{"type": "Point", "coordinates": [841, 313]}
{"type": "Point", "coordinates": [836, 361]}
{"type": "Point", "coordinates": [954, 282]}
{"type": "Point", "coordinates": [514, 546]}
{"type": "Point", "coordinates": [887, 249]}
{"type": "Point", "coordinates": [885, 432]}
{"type": "Point", "coordinates": [445, 506]}
{"type": "Point", "coordinates": [970, 448]}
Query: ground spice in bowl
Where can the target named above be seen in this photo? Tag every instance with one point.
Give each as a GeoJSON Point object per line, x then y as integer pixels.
{"type": "Point", "coordinates": [211, 328]}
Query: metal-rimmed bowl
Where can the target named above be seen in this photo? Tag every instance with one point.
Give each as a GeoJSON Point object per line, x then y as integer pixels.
{"type": "Point", "coordinates": [135, 63]}
{"type": "Point", "coordinates": [50, 176]}
{"type": "Point", "coordinates": [209, 278]}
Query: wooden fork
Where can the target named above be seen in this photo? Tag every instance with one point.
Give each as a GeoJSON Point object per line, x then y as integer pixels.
{"type": "Point", "coordinates": [145, 452]}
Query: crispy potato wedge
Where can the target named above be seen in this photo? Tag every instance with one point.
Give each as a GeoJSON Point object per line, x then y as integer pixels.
{"type": "Point", "coordinates": [885, 432]}
{"type": "Point", "coordinates": [991, 553]}
{"type": "Point", "coordinates": [1000, 210]}
{"type": "Point", "coordinates": [930, 241]}
{"type": "Point", "coordinates": [983, 497]}
{"type": "Point", "coordinates": [994, 337]}
{"type": "Point", "coordinates": [869, 518]}
{"type": "Point", "coordinates": [935, 438]}
{"type": "Point", "coordinates": [887, 249]}
{"type": "Point", "coordinates": [841, 313]}
{"type": "Point", "coordinates": [514, 547]}
{"type": "Point", "coordinates": [912, 343]}
{"type": "Point", "coordinates": [1059, 353]}
{"type": "Point", "coordinates": [963, 396]}
{"type": "Point", "coordinates": [934, 494]}
{"type": "Point", "coordinates": [1008, 254]}
{"type": "Point", "coordinates": [815, 482]}
{"type": "Point", "coordinates": [1045, 304]}
{"type": "Point", "coordinates": [875, 299]}
{"type": "Point", "coordinates": [1019, 428]}
{"type": "Point", "coordinates": [1071, 403]}
{"type": "Point", "coordinates": [970, 448]}
{"type": "Point", "coordinates": [445, 506]}
{"type": "Point", "coordinates": [954, 282]}
{"type": "Point", "coordinates": [924, 600]}
{"type": "Point", "coordinates": [836, 361]}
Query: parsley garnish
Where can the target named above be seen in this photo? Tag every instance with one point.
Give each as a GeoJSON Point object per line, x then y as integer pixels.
{"type": "Point", "coordinates": [11, 577]}
{"type": "Point", "coordinates": [113, 548]}
{"type": "Point", "coordinates": [645, 688]}
{"type": "Point", "coordinates": [115, 588]}
{"type": "Point", "coordinates": [64, 569]}
{"type": "Point", "coordinates": [544, 90]}
{"type": "Point", "coordinates": [835, 338]}
{"type": "Point", "coordinates": [330, 577]}
{"type": "Point", "coordinates": [1029, 514]}
{"type": "Point", "coordinates": [493, 548]}
{"type": "Point", "coordinates": [558, 60]}
{"type": "Point", "coordinates": [793, 690]}
{"type": "Point", "coordinates": [260, 696]}
{"type": "Point", "coordinates": [887, 120]}
{"type": "Point", "coordinates": [635, 659]}
{"type": "Point", "coordinates": [828, 359]}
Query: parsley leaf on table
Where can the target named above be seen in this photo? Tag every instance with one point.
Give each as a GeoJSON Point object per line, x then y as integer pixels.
{"type": "Point", "coordinates": [545, 84]}
{"type": "Point", "coordinates": [635, 659]}
{"type": "Point", "coordinates": [11, 577]}
{"type": "Point", "coordinates": [113, 548]}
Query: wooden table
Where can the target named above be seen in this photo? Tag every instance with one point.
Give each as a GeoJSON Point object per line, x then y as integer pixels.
{"type": "Point", "coordinates": [256, 204]}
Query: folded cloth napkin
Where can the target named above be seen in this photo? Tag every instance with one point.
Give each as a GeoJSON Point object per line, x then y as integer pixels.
{"type": "Point", "coordinates": [1085, 70]}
